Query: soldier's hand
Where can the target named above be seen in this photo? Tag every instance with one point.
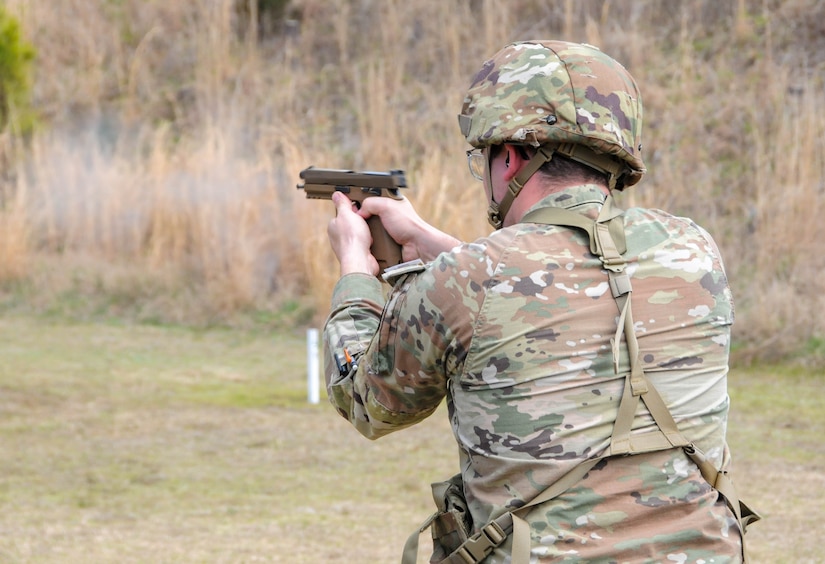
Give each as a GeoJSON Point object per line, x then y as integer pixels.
{"type": "Point", "coordinates": [350, 238]}
{"type": "Point", "coordinates": [418, 239]}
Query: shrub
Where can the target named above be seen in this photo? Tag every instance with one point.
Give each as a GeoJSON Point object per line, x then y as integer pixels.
{"type": "Point", "coordinates": [16, 56]}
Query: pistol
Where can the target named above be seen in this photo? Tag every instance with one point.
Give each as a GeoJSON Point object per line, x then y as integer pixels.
{"type": "Point", "coordinates": [320, 183]}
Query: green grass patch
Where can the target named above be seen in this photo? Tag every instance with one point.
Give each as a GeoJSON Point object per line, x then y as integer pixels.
{"type": "Point", "coordinates": [130, 365]}
{"type": "Point", "coordinates": [779, 409]}
{"type": "Point", "coordinates": [133, 443]}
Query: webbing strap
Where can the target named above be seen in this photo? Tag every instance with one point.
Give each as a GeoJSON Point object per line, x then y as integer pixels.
{"type": "Point", "coordinates": [609, 220]}
{"type": "Point", "coordinates": [410, 554]}
{"type": "Point", "coordinates": [607, 241]}
{"type": "Point", "coordinates": [637, 386]}
{"type": "Point", "coordinates": [606, 164]}
{"type": "Point", "coordinates": [481, 544]}
{"type": "Point", "coordinates": [722, 482]}
{"type": "Point", "coordinates": [498, 211]}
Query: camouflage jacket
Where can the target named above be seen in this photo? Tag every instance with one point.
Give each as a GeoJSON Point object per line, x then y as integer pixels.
{"type": "Point", "coordinates": [514, 331]}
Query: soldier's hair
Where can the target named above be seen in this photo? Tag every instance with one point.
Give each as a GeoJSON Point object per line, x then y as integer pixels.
{"type": "Point", "coordinates": [562, 167]}
{"type": "Point", "coordinates": [559, 167]}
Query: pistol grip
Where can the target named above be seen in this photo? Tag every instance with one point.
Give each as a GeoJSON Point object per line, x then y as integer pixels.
{"type": "Point", "coordinates": [384, 248]}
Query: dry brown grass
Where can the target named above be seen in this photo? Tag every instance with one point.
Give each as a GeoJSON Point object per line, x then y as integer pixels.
{"type": "Point", "coordinates": [174, 139]}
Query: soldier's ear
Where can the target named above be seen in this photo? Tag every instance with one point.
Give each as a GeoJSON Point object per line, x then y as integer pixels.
{"type": "Point", "coordinates": [514, 160]}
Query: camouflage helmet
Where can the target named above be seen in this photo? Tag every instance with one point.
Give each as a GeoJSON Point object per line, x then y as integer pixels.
{"type": "Point", "coordinates": [554, 92]}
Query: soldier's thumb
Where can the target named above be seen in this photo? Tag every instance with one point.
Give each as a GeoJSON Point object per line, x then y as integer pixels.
{"type": "Point", "coordinates": [341, 202]}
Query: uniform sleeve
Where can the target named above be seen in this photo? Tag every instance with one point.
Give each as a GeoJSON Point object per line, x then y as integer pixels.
{"type": "Point", "coordinates": [396, 377]}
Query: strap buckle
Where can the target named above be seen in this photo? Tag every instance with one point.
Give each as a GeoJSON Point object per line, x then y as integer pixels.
{"type": "Point", "coordinates": [477, 548]}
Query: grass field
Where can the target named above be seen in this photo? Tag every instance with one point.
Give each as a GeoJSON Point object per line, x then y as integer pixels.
{"type": "Point", "coordinates": [135, 443]}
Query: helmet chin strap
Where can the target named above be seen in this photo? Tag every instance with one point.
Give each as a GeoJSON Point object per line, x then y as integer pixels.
{"type": "Point", "coordinates": [496, 212]}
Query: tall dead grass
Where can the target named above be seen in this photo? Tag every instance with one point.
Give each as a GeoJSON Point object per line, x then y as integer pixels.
{"type": "Point", "coordinates": [176, 134]}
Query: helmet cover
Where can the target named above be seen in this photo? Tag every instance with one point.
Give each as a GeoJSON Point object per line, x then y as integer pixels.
{"type": "Point", "coordinates": [540, 92]}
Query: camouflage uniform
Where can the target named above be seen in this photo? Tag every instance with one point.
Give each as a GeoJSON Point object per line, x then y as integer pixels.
{"type": "Point", "coordinates": [514, 331]}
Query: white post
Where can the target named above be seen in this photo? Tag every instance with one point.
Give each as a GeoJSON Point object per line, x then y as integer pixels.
{"type": "Point", "coordinates": [312, 366]}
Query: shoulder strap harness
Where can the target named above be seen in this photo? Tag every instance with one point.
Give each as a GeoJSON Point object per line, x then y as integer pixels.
{"type": "Point", "coordinates": [607, 241]}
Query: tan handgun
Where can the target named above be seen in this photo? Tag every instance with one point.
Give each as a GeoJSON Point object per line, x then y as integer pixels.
{"type": "Point", "coordinates": [321, 183]}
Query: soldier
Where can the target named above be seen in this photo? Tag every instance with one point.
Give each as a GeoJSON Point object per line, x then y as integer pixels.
{"type": "Point", "coordinates": [582, 350]}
